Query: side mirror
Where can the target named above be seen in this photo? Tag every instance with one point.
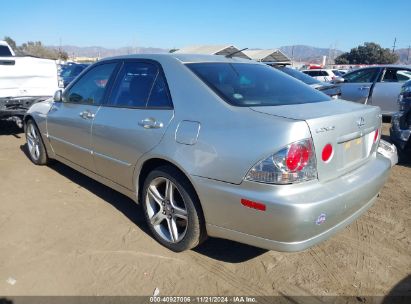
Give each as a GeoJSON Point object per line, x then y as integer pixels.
{"type": "Point", "coordinates": [58, 96]}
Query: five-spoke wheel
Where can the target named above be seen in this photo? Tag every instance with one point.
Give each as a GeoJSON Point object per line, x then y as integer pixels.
{"type": "Point", "coordinates": [166, 210]}
{"type": "Point", "coordinates": [172, 210]}
{"type": "Point", "coordinates": [37, 151]}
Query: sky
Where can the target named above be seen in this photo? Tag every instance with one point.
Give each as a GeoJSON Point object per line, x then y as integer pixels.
{"type": "Point", "coordinates": [343, 24]}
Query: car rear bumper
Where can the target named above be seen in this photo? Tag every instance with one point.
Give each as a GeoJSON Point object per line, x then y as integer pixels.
{"type": "Point", "coordinates": [296, 216]}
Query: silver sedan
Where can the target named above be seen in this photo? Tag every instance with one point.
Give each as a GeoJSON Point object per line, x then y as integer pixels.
{"type": "Point", "coordinates": [375, 85]}
{"type": "Point", "coordinates": [216, 146]}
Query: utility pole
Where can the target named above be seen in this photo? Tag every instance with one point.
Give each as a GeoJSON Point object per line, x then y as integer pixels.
{"type": "Point", "coordinates": [393, 47]}
{"type": "Point", "coordinates": [59, 49]}
{"type": "Point", "coordinates": [408, 54]}
{"type": "Point", "coordinates": [292, 55]}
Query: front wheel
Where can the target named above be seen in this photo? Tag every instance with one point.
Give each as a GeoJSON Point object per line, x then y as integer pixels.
{"type": "Point", "coordinates": [172, 210]}
{"type": "Point", "coordinates": [37, 151]}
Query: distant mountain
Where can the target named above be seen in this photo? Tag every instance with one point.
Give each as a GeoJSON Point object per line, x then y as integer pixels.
{"type": "Point", "coordinates": [309, 53]}
{"type": "Point", "coordinates": [97, 51]}
{"type": "Point", "coordinates": [304, 53]}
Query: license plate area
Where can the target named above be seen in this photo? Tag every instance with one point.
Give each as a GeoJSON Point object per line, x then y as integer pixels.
{"type": "Point", "coordinates": [353, 151]}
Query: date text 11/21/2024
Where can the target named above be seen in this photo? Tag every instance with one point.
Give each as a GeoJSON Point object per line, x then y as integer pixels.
{"type": "Point", "coordinates": [203, 299]}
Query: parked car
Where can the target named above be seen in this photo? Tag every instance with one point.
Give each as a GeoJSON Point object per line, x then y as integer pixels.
{"type": "Point", "coordinates": [70, 72]}
{"type": "Point", "coordinates": [216, 146]}
{"type": "Point", "coordinates": [331, 90]}
{"type": "Point", "coordinates": [326, 75]}
{"type": "Point", "coordinates": [24, 80]}
{"type": "Point", "coordinates": [400, 131]}
{"type": "Point", "coordinates": [376, 85]}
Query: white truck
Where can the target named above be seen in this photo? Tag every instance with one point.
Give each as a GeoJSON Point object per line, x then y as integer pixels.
{"type": "Point", "coordinates": [23, 81]}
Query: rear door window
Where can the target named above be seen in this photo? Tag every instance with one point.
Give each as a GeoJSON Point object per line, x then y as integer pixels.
{"type": "Point", "coordinates": [242, 84]}
{"type": "Point", "coordinates": [396, 75]}
{"type": "Point", "coordinates": [140, 85]}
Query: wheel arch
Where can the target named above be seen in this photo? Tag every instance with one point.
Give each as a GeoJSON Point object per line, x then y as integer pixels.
{"type": "Point", "coordinates": [152, 163]}
{"type": "Point", "coordinates": [155, 162]}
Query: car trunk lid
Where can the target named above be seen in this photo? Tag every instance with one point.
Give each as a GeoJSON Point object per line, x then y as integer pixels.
{"type": "Point", "coordinates": [349, 127]}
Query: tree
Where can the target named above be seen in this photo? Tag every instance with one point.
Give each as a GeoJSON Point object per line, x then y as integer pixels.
{"type": "Point", "coordinates": [11, 43]}
{"type": "Point", "coordinates": [36, 49]}
{"type": "Point", "coordinates": [369, 53]}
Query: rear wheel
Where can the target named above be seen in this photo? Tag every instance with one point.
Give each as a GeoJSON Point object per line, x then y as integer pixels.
{"type": "Point", "coordinates": [37, 151]}
{"type": "Point", "coordinates": [172, 210]}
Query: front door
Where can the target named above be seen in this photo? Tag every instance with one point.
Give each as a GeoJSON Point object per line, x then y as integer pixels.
{"type": "Point", "coordinates": [69, 122]}
{"type": "Point", "coordinates": [358, 84]}
{"type": "Point", "coordinates": [132, 122]}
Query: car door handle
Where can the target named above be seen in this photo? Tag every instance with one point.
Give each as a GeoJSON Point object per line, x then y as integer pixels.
{"type": "Point", "coordinates": [150, 123]}
{"type": "Point", "coordinates": [364, 88]}
{"type": "Point", "coordinates": [87, 115]}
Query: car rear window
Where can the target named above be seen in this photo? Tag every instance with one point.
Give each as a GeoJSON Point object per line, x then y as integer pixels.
{"type": "Point", "coordinates": [4, 51]}
{"type": "Point", "coordinates": [249, 85]}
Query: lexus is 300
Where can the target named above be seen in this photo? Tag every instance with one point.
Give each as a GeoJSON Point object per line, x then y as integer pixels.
{"type": "Point", "coordinates": [216, 146]}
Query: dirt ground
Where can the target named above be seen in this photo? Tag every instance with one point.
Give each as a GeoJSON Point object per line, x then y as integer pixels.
{"type": "Point", "coordinates": [62, 233]}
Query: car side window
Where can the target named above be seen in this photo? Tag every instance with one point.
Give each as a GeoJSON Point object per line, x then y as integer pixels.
{"type": "Point", "coordinates": [365, 75]}
{"type": "Point", "coordinates": [138, 85]}
{"type": "Point", "coordinates": [90, 88]}
{"type": "Point", "coordinates": [396, 75]}
{"type": "Point", "coordinates": [159, 97]}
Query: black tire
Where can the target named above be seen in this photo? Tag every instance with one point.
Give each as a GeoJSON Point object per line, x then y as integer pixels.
{"type": "Point", "coordinates": [33, 137]}
{"type": "Point", "coordinates": [195, 232]}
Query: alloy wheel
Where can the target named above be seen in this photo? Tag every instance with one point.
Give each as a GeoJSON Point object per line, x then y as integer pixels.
{"type": "Point", "coordinates": [33, 141]}
{"type": "Point", "coordinates": [166, 210]}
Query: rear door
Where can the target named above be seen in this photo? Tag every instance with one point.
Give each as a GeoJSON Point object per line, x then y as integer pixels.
{"type": "Point", "coordinates": [69, 122]}
{"type": "Point", "coordinates": [358, 84]}
{"type": "Point", "coordinates": [387, 89]}
{"type": "Point", "coordinates": [132, 122]}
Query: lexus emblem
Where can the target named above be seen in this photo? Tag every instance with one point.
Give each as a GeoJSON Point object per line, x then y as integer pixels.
{"type": "Point", "coordinates": [360, 122]}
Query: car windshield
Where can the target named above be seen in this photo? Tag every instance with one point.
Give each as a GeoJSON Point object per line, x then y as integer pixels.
{"type": "Point", "coordinates": [300, 75]}
{"type": "Point", "coordinates": [247, 85]}
{"type": "Point", "coordinates": [72, 70]}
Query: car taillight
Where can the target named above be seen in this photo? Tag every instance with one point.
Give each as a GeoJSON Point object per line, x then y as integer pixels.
{"type": "Point", "coordinates": [297, 156]}
{"type": "Point", "coordinates": [292, 164]}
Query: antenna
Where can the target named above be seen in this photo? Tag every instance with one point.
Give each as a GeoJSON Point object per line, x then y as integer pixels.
{"type": "Point", "coordinates": [393, 47]}
{"type": "Point", "coordinates": [236, 52]}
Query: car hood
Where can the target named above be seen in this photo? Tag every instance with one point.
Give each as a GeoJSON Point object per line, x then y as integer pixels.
{"type": "Point", "coordinates": [323, 86]}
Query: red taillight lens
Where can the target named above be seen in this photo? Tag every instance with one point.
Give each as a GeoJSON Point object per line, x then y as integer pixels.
{"type": "Point", "coordinates": [377, 132]}
{"type": "Point", "coordinates": [298, 156]}
{"type": "Point", "coordinates": [327, 152]}
{"type": "Point", "coordinates": [294, 163]}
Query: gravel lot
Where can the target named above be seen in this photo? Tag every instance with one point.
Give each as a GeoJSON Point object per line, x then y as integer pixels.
{"type": "Point", "coordinates": [62, 233]}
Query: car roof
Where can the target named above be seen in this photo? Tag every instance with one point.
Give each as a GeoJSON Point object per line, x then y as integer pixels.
{"type": "Point", "coordinates": [317, 70]}
{"type": "Point", "coordinates": [185, 58]}
{"type": "Point", "coordinates": [386, 66]}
